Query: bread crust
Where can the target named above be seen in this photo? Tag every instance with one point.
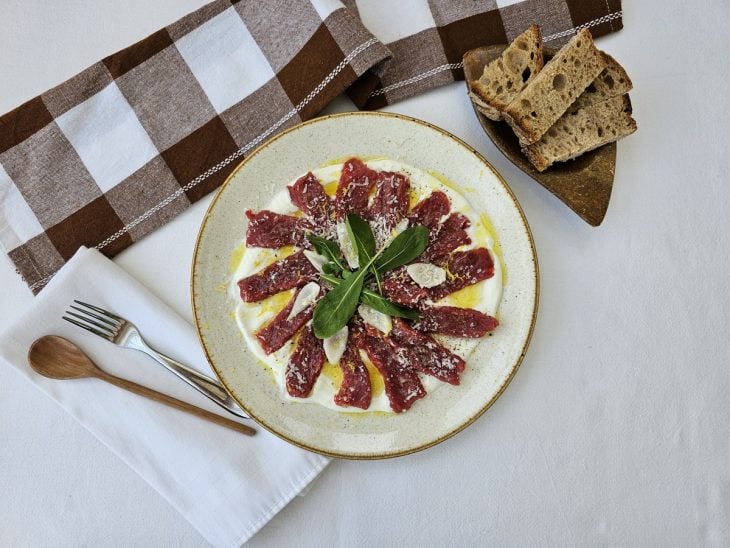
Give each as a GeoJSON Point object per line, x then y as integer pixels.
{"type": "Point", "coordinates": [546, 98]}
{"type": "Point", "coordinates": [497, 86]}
{"type": "Point", "coordinates": [611, 120]}
{"type": "Point", "coordinates": [486, 109]}
{"type": "Point", "coordinates": [611, 82]}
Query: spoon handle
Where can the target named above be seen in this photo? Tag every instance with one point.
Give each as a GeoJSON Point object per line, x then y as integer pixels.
{"type": "Point", "coordinates": [177, 404]}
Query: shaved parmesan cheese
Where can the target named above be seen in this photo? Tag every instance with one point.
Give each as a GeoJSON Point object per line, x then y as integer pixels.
{"type": "Point", "coordinates": [316, 259]}
{"type": "Point", "coordinates": [377, 319]}
{"type": "Point", "coordinates": [305, 298]}
{"type": "Point", "coordinates": [426, 274]}
{"type": "Point", "coordinates": [334, 346]}
{"type": "Point", "coordinates": [348, 248]}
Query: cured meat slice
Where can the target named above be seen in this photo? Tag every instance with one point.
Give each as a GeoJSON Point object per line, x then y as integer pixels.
{"type": "Point", "coordinates": [450, 235]}
{"type": "Point", "coordinates": [305, 364]}
{"type": "Point", "coordinates": [428, 212]}
{"type": "Point", "coordinates": [456, 322]}
{"type": "Point", "coordinates": [402, 385]}
{"type": "Point", "coordinates": [292, 271]}
{"type": "Point", "coordinates": [356, 181]}
{"type": "Point", "coordinates": [398, 287]}
{"type": "Point", "coordinates": [282, 328]}
{"type": "Point", "coordinates": [391, 200]}
{"type": "Point", "coordinates": [464, 268]}
{"type": "Point", "coordinates": [274, 230]}
{"type": "Point", "coordinates": [309, 196]}
{"type": "Point", "coordinates": [355, 390]}
{"type": "Point", "coordinates": [425, 354]}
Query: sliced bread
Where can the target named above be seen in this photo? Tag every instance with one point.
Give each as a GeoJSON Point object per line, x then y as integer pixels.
{"type": "Point", "coordinates": [508, 74]}
{"type": "Point", "coordinates": [582, 130]}
{"type": "Point", "coordinates": [611, 82]}
{"type": "Point", "coordinates": [544, 100]}
{"type": "Point", "coordinates": [485, 108]}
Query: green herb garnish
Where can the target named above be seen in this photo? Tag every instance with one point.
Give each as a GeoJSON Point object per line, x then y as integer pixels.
{"type": "Point", "coordinates": [361, 236]}
{"type": "Point", "coordinates": [329, 250]}
{"type": "Point", "coordinates": [405, 247]}
{"type": "Point", "coordinates": [337, 307]}
{"type": "Point", "coordinates": [378, 302]}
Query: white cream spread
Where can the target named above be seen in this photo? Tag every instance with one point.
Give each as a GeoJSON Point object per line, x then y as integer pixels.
{"type": "Point", "coordinates": [483, 296]}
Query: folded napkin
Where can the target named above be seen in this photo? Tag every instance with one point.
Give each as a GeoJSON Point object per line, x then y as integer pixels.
{"type": "Point", "coordinates": [225, 484]}
{"type": "Point", "coordinates": [118, 150]}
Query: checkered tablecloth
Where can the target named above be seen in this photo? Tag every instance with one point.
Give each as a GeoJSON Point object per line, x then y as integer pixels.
{"type": "Point", "coordinates": [121, 148]}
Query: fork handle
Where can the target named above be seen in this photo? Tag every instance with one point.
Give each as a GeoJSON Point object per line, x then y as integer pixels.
{"type": "Point", "coordinates": [203, 384]}
{"type": "Point", "coordinates": [175, 403]}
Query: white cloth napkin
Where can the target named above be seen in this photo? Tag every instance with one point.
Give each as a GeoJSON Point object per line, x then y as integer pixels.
{"type": "Point", "coordinates": [225, 484]}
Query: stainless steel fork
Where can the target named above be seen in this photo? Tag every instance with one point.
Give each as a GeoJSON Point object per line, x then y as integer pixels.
{"type": "Point", "coordinates": [124, 333]}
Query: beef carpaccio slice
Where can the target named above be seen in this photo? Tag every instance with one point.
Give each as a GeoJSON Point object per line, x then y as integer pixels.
{"type": "Point", "coordinates": [355, 390]}
{"type": "Point", "coordinates": [456, 322]}
{"type": "Point", "coordinates": [292, 271]}
{"type": "Point", "coordinates": [402, 385]}
{"type": "Point", "coordinates": [425, 354]}
{"type": "Point", "coordinates": [447, 237]}
{"type": "Point", "coordinates": [465, 268]}
{"type": "Point", "coordinates": [391, 200]}
{"type": "Point", "coordinates": [274, 230]}
{"type": "Point", "coordinates": [279, 330]}
{"type": "Point", "coordinates": [398, 287]}
{"type": "Point", "coordinates": [353, 189]}
{"type": "Point", "coordinates": [309, 196]}
{"type": "Point", "coordinates": [428, 212]}
{"type": "Point", "coordinates": [305, 364]}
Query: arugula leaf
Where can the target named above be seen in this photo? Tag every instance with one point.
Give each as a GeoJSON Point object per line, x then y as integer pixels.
{"type": "Point", "coordinates": [328, 249]}
{"type": "Point", "coordinates": [378, 302]}
{"type": "Point", "coordinates": [405, 247]}
{"type": "Point", "coordinates": [361, 236]}
{"type": "Point", "coordinates": [337, 307]}
{"type": "Point", "coordinates": [381, 304]}
{"type": "Point", "coordinates": [330, 268]}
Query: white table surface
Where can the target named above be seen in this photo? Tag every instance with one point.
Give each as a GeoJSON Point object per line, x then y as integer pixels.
{"type": "Point", "coordinates": [616, 429]}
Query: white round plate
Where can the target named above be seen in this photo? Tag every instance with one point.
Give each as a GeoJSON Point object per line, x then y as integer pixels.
{"type": "Point", "coordinates": [307, 146]}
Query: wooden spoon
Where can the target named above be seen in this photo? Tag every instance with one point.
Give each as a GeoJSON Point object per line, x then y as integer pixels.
{"type": "Point", "coordinates": [57, 358]}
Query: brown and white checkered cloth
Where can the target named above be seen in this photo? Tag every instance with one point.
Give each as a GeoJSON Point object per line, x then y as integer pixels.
{"type": "Point", "coordinates": [118, 150]}
{"type": "Point", "coordinates": [428, 38]}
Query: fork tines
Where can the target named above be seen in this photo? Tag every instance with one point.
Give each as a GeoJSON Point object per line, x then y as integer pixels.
{"type": "Point", "coordinates": [94, 319]}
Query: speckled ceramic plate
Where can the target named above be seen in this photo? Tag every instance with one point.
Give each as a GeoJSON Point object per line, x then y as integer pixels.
{"type": "Point", "coordinates": [440, 414]}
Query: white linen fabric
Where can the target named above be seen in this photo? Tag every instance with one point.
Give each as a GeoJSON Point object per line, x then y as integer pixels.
{"type": "Point", "coordinates": [225, 484]}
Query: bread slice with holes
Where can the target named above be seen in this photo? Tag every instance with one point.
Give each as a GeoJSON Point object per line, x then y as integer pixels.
{"type": "Point", "coordinates": [546, 98]}
{"type": "Point", "coordinates": [613, 81]}
{"type": "Point", "coordinates": [579, 131]}
{"type": "Point", "coordinates": [508, 74]}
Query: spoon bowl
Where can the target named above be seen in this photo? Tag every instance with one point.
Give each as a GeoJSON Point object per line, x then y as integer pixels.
{"type": "Point", "coordinates": [58, 358]}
